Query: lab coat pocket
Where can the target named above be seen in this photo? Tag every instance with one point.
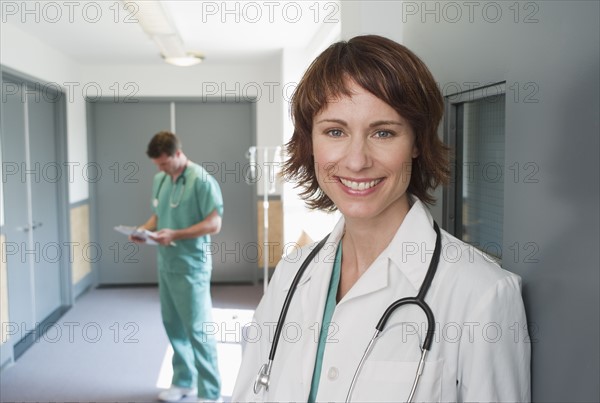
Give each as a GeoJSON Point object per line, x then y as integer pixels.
{"type": "Point", "coordinates": [391, 381]}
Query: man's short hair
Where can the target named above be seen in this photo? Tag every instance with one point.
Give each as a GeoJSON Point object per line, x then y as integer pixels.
{"type": "Point", "coordinates": [163, 142]}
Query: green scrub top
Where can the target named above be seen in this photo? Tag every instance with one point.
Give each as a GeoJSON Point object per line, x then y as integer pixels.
{"type": "Point", "coordinates": [181, 204]}
{"type": "Point", "coordinates": [327, 315]}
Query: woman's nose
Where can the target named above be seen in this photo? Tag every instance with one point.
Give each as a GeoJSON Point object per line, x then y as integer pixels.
{"type": "Point", "coordinates": [358, 155]}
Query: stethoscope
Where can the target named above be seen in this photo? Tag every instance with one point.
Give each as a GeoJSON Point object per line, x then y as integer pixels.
{"type": "Point", "coordinates": [172, 203]}
{"type": "Point", "coordinates": [264, 373]}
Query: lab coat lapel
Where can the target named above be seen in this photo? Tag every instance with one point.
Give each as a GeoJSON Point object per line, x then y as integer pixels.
{"type": "Point", "coordinates": [371, 280]}
{"type": "Point", "coordinates": [412, 248]}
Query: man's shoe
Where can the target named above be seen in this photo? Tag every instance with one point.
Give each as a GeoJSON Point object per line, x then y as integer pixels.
{"type": "Point", "coordinates": [175, 394]}
{"type": "Point", "coordinates": [219, 400]}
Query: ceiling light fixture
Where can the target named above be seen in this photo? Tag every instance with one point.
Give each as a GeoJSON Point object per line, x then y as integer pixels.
{"type": "Point", "coordinates": [190, 59]}
{"type": "Point", "coordinates": [159, 26]}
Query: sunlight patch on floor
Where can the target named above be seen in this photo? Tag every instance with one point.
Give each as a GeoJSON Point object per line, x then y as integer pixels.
{"type": "Point", "coordinates": [166, 370]}
{"type": "Point", "coordinates": [226, 328]}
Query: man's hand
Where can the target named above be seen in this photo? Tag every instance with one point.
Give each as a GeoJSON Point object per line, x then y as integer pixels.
{"type": "Point", "coordinates": [165, 237]}
{"type": "Point", "coordinates": [137, 239]}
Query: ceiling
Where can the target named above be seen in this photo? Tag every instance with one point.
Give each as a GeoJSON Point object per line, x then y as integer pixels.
{"type": "Point", "coordinates": [105, 32]}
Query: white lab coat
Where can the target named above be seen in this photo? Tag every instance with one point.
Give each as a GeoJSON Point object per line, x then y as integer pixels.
{"type": "Point", "coordinates": [480, 350]}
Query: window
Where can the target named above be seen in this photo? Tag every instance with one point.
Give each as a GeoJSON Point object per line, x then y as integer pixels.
{"type": "Point", "coordinates": [474, 208]}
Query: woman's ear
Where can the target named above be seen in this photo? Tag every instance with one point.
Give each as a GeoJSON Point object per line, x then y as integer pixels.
{"type": "Point", "coordinates": [415, 151]}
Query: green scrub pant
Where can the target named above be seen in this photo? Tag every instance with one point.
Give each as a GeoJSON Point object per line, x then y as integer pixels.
{"type": "Point", "coordinates": [186, 306]}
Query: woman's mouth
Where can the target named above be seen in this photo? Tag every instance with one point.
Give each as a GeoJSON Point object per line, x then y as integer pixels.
{"type": "Point", "coordinates": [362, 185]}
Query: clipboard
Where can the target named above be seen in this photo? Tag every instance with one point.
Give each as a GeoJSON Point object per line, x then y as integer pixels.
{"type": "Point", "coordinates": [137, 233]}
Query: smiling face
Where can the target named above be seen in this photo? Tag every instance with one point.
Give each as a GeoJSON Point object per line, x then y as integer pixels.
{"type": "Point", "coordinates": [363, 151]}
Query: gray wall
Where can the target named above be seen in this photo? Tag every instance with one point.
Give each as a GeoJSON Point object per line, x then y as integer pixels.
{"type": "Point", "coordinates": [549, 50]}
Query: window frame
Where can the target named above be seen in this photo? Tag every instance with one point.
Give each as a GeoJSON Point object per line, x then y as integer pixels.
{"type": "Point", "coordinates": [452, 126]}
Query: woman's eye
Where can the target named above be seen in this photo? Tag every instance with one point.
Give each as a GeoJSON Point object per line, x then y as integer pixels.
{"type": "Point", "coordinates": [334, 132]}
{"type": "Point", "coordinates": [382, 134]}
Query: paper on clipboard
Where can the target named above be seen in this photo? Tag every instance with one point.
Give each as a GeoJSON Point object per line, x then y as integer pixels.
{"type": "Point", "coordinates": [136, 233]}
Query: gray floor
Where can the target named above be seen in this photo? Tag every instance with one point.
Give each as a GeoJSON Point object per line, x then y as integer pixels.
{"type": "Point", "coordinates": [111, 347]}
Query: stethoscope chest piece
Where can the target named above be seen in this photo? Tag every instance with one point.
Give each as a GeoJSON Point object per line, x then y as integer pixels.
{"type": "Point", "coordinates": [263, 378]}
{"type": "Point", "coordinates": [155, 202]}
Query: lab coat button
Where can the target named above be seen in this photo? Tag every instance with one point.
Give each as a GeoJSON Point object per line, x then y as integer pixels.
{"type": "Point", "coordinates": [332, 374]}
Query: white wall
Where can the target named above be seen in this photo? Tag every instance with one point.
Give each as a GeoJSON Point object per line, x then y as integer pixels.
{"type": "Point", "coordinates": [379, 17]}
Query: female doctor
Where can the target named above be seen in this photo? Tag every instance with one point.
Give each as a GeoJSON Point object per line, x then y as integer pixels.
{"type": "Point", "coordinates": [365, 143]}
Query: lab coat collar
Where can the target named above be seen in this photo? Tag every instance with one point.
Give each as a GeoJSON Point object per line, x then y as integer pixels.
{"type": "Point", "coordinates": [412, 247]}
{"type": "Point", "coordinates": [409, 251]}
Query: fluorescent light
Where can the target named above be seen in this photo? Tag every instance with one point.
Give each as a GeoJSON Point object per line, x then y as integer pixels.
{"type": "Point", "coordinates": [153, 18]}
{"type": "Point", "coordinates": [159, 26]}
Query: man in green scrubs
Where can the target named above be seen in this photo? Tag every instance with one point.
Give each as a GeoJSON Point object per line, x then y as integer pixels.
{"type": "Point", "coordinates": [188, 207]}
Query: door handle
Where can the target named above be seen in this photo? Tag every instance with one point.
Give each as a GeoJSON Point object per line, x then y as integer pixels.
{"type": "Point", "coordinates": [28, 228]}
{"type": "Point", "coordinates": [24, 229]}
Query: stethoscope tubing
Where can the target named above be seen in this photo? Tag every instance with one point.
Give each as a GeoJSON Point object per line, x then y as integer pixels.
{"type": "Point", "coordinates": [419, 300]}
{"type": "Point", "coordinates": [162, 181]}
{"type": "Point", "coordinates": [288, 300]}
{"type": "Point", "coordinates": [264, 374]}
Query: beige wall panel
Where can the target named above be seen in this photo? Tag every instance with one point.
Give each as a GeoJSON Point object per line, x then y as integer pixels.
{"type": "Point", "coordinates": [80, 236]}
{"type": "Point", "coordinates": [275, 232]}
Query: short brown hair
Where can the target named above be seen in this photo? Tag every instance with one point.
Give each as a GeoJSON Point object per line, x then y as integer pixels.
{"type": "Point", "coordinates": [392, 73]}
{"type": "Point", "coordinates": [163, 142]}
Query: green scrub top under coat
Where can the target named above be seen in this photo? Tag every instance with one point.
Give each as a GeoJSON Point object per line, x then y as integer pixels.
{"type": "Point", "coordinates": [180, 204]}
{"type": "Point", "coordinates": [327, 315]}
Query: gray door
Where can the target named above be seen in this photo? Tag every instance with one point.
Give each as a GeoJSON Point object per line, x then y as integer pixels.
{"type": "Point", "coordinates": [16, 227]}
{"type": "Point", "coordinates": [32, 176]}
{"type": "Point", "coordinates": [215, 135]}
{"type": "Point", "coordinates": [44, 204]}
{"type": "Point", "coordinates": [123, 186]}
